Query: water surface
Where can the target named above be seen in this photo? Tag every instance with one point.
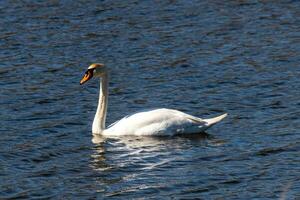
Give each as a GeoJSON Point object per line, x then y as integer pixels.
{"type": "Point", "coordinates": [200, 57]}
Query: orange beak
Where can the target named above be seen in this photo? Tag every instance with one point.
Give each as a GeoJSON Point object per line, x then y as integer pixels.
{"type": "Point", "coordinates": [87, 76]}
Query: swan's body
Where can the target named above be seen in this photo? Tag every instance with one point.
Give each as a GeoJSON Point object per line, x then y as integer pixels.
{"type": "Point", "coordinates": [152, 122]}
{"type": "Point", "coordinates": [159, 122]}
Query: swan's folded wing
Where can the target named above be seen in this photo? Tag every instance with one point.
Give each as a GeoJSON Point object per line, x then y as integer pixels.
{"type": "Point", "coordinates": [156, 122]}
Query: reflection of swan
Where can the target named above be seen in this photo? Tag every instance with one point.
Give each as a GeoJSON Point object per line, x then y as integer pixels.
{"type": "Point", "coordinates": [143, 153]}
{"type": "Point", "coordinates": [152, 122]}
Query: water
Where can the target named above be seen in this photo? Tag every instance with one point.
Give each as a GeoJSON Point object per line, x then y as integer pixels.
{"type": "Point", "coordinates": [201, 57]}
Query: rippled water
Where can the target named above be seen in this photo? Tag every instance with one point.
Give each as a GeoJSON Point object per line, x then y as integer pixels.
{"type": "Point", "coordinates": [201, 57]}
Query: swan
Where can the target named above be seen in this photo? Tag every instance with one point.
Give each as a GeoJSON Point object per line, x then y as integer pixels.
{"type": "Point", "coordinates": [154, 122]}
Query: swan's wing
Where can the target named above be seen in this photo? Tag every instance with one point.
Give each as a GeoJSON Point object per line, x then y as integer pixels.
{"type": "Point", "coordinates": [144, 111]}
{"type": "Point", "coordinates": [156, 122]}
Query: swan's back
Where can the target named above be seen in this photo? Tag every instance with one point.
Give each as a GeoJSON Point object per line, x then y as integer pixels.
{"type": "Point", "coordinates": [156, 122]}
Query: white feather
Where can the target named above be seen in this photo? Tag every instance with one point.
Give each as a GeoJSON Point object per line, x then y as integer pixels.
{"type": "Point", "coordinates": [152, 122]}
{"type": "Point", "coordinates": [160, 122]}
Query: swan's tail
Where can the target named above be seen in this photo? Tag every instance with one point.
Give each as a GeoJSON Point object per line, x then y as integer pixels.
{"type": "Point", "coordinates": [214, 120]}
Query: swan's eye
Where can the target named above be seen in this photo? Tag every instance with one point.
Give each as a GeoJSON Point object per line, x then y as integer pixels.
{"type": "Point", "coordinates": [87, 76]}
{"type": "Point", "coordinates": [89, 72]}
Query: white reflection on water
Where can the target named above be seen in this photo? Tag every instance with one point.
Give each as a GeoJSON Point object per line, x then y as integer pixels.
{"type": "Point", "coordinates": [146, 152]}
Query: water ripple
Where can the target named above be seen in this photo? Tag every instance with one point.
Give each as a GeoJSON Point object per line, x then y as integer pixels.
{"type": "Point", "coordinates": [204, 58]}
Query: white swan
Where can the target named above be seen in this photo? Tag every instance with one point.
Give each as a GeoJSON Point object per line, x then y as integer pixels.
{"type": "Point", "coordinates": [152, 122]}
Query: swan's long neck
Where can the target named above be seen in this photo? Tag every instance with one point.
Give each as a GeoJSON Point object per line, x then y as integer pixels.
{"type": "Point", "coordinates": [100, 117]}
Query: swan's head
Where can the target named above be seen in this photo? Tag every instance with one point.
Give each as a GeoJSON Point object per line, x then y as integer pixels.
{"type": "Point", "coordinates": [94, 70]}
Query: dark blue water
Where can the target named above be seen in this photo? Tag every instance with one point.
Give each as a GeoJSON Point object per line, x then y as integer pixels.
{"type": "Point", "coordinates": [200, 57]}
